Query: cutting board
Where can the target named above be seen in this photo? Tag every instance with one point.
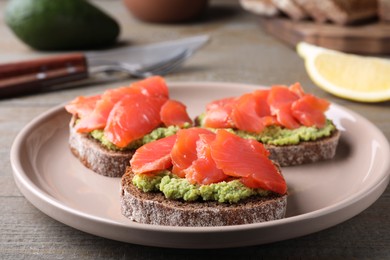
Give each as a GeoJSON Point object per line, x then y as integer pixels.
{"type": "Point", "coordinates": [372, 38]}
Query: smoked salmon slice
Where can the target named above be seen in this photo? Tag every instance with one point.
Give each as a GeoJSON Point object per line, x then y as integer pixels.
{"type": "Point", "coordinates": [280, 100]}
{"type": "Point", "coordinates": [154, 156]}
{"type": "Point", "coordinates": [220, 103]}
{"type": "Point", "coordinates": [219, 118]}
{"type": "Point", "coordinates": [262, 108]}
{"type": "Point", "coordinates": [284, 106]}
{"type": "Point", "coordinates": [152, 86]}
{"type": "Point", "coordinates": [133, 117]}
{"type": "Point", "coordinates": [297, 89]}
{"type": "Point", "coordinates": [82, 106]}
{"type": "Point", "coordinates": [203, 170]}
{"type": "Point", "coordinates": [246, 158]}
{"type": "Point", "coordinates": [174, 113]}
{"type": "Point", "coordinates": [245, 114]}
{"type": "Point", "coordinates": [309, 110]}
{"type": "Point", "coordinates": [98, 118]}
{"type": "Point", "coordinates": [218, 114]}
{"type": "Point", "coordinates": [184, 151]}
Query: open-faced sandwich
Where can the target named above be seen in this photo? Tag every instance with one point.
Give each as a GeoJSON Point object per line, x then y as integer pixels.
{"type": "Point", "coordinates": [106, 129]}
{"type": "Point", "coordinates": [201, 178]}
{"type": "Point", "coordinates": [289, 122]}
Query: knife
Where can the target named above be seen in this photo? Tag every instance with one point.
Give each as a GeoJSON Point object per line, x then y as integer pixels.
{"type": "Point", "coordinates": [44, 74]}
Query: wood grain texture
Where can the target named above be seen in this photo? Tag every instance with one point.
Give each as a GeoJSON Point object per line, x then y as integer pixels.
{"type": "Point", "coordinates": [239, 52]}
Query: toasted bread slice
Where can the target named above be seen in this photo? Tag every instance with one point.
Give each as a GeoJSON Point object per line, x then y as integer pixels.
{"type": "Point", "coordinates": [340, 11]}
{"type": "Point", "coordinates": [305, 152]}
{"type": "Point", "coordinates": [291, 9]}
{"type": "Point", "coordinates": [261, 7]}
{"type": "Point", "coordinates": [95, 156]}
{"type": "Point", "coordinates": [347, 12]}
{"type": "Point", "coordinates": [314, 9]}
{"type": "Point", "coordinates": [154, 208]}
{"type": "Point", "coordinates": [384, 10]}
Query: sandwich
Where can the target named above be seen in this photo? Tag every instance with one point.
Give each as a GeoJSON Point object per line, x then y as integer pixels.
{"type": "Point", "coordinates": [201, 178]}
{"type": "Point", "coordinates": [106, 129]}
{"type": "Point", "coordinates": [290, 123]}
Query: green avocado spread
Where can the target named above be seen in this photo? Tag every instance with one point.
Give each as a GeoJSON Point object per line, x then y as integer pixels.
{"type": "Point", "coordinates": [156, 134]}
{"type": "Point", "coordinates": [177, 188]}
{"type": "Point", "coordinates": [276, 135]}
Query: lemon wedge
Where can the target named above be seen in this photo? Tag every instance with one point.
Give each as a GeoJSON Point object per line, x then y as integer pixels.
{"type": "Point", "coordinates": [353, 77]}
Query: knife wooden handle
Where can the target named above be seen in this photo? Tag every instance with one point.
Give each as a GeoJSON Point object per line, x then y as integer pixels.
{"type": "Point", "coordinates": [38, 75]}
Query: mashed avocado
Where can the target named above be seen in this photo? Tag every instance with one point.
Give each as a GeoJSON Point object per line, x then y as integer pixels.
{"type": "Point", "coordinates": [277, 135]}
{"type": "Point", "coordinates": [179, 188]}
{"type": "Point", "coordinates": [156, 134]}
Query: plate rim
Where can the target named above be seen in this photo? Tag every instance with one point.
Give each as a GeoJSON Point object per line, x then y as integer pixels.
{"type": "Point", "coordinates": [26, 186]}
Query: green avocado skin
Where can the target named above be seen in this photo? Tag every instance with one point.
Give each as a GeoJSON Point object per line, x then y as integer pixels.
{"type": "Point", "coordinates": [61, 24]}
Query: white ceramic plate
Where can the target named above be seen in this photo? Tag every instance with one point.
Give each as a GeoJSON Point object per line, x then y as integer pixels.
{"type": "Point", "coordinates": [320, 194]}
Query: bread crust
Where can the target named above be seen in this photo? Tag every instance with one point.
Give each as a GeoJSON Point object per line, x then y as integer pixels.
{"type": "Point", "coordinates": [261, 7]}
{"type": "Point", "coordinates": [291, 8]}
{"type": "Point", "coordinates": [154, 208]}
{"type": "Point", "coordinates": [305, 152]}
{"type": "Point", "coordinates": [95, 156]}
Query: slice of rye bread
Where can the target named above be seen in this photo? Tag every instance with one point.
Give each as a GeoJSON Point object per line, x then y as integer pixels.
{"type": "Point", "coordinates": [95, 156]}
{"type": "Point", "coordinates": [291, 9]}
{"type": "Point", "coordinates": [305, 152]}
{"type": "Point", "coordinates": [313, 9]}
{"type": "Point", "coordinates": [340, 11]}
{"type": "Point", "coordinates": [261, 7]}
{"type": "Point", "coordinates": [384, 10]}
{"type": "Point", "coordinates": [154, 208]}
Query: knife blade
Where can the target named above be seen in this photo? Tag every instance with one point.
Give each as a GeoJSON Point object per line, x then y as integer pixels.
{"type": "Point", "coordinates": [54, 72]}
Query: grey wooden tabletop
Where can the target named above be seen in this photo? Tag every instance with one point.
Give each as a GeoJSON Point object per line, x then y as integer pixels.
{"type": "Point", "coordinates": [240, 51]}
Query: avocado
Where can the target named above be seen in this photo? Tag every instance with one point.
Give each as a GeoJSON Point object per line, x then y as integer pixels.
{"type": "Point", "coordinates": [177, 188]}
{"type": "Point", "coordinates": [61, 24]}
{"type": "Point", "coordinates": [158, 133]}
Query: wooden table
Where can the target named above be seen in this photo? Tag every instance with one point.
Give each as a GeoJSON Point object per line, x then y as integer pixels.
{"type": "Point", "coordinates": [240, 51]}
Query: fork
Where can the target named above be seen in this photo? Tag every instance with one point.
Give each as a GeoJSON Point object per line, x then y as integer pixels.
{"type": "Point", "coordinates": [55, 72]}
{"type": "Point", "coordinates": [162, 67]}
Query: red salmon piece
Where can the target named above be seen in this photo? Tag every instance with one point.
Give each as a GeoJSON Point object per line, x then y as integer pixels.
{"type": "Point", "coordinates": [98, 118]}
{"type": "Point", "coordinates": [245, 158]}
{"type": "Point", "coordinates": [178, 171]}
{"type": "Point", "coordinates": [245, 114]}
{"type": "Point", "coordinates": [297, 89]}
{"type": "Point", "coordinates": [184, 151]}
{"type": "Point", "coordinates": [82, 106]}
{"type": "Point", "coordinates": [219, 117]}
{"type": "Point", "coordinates": [309, 110]}
{"type": "Point", "coordinates": [204, 170]}
{"type": "Point", "coordinates": [154, 156]}
{"type": "Point", "coordinates": [133, 117]}
{"type": "Point", "coordinates": [220, 103]}
{"type": "Point", "coordinates": [269, 120]}
{"type": "Point", "coordinates": [174, 113]}
{"type": "Point", "coordinates": [251, 182]}
{"type": "Point", "coordinates": [152, 86]}
{"type": "Point", "coordinates": [280, 95]}
{"type": "Point", "coordinates": [262, 108]}
{"type": "Point", "coordinates": [285, 118]}
{"type": "Point", "coordinates": [280, 100]}
{"type": "Point", "coordinates": [218, 113]}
